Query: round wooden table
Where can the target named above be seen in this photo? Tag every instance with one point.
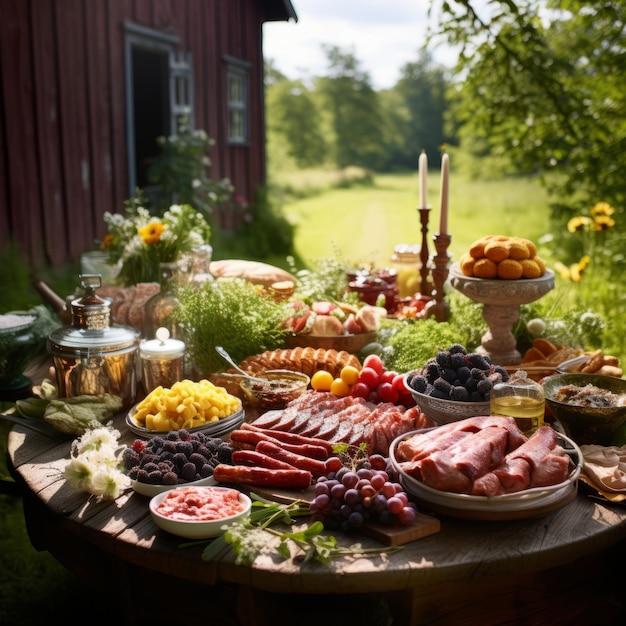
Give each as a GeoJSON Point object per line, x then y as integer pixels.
{"type": "Point", "coordinates": [547, 570]}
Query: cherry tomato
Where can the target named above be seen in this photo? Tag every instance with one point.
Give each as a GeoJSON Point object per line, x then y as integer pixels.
{"type": "Point", "coordinates": [375, 362]}
{"type": "Point", "coordinates": [373, 397]}
{"type": "Point", "coordinates": [370, 377]}
{"type": "Point", "coordinates": [387, 393]}
{"type": "Point", "coordinates": [387, 376]}
{"type": "Point", "coordinates": [359, 390]}
{"type": "Point", "coordinates": [398, 383]}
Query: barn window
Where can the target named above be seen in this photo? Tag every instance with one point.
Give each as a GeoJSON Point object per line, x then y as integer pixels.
{"type": "Point", "coordinates": [237, 93]}
{"type": "Point", "coordinates": [159, 93]}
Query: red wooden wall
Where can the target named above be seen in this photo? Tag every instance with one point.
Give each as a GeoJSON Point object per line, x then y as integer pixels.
{"type": "Point", "coordinates": [63, 152]}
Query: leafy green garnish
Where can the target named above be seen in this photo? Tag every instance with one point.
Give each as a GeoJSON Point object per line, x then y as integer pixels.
{"type": "Point", "coordinates": [250, 538]}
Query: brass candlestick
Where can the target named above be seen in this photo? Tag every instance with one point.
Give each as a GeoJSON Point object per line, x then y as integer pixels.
{"type": "Point", "coordinates": [438, 307]}
{"type": "Point", "coordinates": [425, 282]}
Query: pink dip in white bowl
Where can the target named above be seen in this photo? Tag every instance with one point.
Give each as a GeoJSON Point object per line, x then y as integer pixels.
{"type": "Point", "coordinates": [198, 512]}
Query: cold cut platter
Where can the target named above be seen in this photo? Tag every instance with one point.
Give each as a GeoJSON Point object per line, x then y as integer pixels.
{"type": "Point", "coordinates": [480, 469]}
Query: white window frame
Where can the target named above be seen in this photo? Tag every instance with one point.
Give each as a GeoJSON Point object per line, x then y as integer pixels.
{"type": "Point", "coordinates": [237, 100]}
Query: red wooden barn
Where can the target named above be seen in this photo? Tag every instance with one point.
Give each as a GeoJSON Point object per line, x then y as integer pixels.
{"type": "Point", "coordinates": [87, 85]}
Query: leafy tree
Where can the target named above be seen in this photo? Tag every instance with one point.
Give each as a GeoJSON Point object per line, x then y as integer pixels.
{"type": "Point", "coordinates": [294, 118]}
{"type": "Point", "coordinates": [422, 88]}
{"type": "Point", "coordinates": [355, 111]}
{"type": "Point", "coordinates": [542, 89]}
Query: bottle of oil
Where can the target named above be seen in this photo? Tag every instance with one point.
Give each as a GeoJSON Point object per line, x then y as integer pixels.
{"type": "Point", "coordinates": [520, 398]}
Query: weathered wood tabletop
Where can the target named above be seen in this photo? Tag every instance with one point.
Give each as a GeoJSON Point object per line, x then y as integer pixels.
{"type": "Point", "coordinates": [433, 578]}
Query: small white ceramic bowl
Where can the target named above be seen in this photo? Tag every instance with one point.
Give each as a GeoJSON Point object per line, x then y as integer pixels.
{"type": "Point", "coordinates": [197, 529]}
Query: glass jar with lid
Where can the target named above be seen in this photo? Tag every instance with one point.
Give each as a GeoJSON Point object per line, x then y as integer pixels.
{"type": "Point", "coordinates": [521, 398]}
{"type": "Point", "coordinates": [161, 360]}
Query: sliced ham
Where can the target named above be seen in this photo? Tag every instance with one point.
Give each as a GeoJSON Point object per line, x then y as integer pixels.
{"type": "Point", "coordinates": [553, 469]}
{"type": "Point", "coordinates": [456, 468]}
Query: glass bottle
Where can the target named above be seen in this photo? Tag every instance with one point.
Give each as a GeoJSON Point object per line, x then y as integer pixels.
{"type": "Point", "coordinates": [520, 398]}
{"type": "Point", "coordinates": [406, 261]}
{"type": "Point", "coordinates": [161, 306]}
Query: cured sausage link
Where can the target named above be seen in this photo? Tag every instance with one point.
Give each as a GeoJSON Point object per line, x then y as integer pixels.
{"type": "Point", "coordinates": [245, 438]}
{"type": "Point", "coordinates": [289, 437]}
{"type": "Point", "coordinates": [263, 477]}
{"type": "Point", "coordinates": [253, 458]}
{"type": "Point", "coordinates": [316, 467]}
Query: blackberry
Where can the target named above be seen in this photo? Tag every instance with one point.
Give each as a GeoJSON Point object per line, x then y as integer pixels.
{"type": "Point", "coordinates": [188, 472]}
{"type": "Point", "coordinates": [155, 477]}
{"type": "Point", "coordinates": [457, 348]}
{"type": "Point", "coordinates": [484, 386]}
{"type": "Point", "coordinates": [443, 359]}
{"type": "Point", "coordinates": [198, 460]}
{"type": "Point", "coordinates": [432, 370]}
{"type": "Point", "coordinates": [206, 470]}
{"type": "Point", "coordinates": [459, 394]}
{"type": "Point", "coordinates": [225, 454]}
{"type": "Point", "coordinates": [498, 369]}
{"type": "Point", "coordinates": [471, 384]}
{"type": "Point", "coordinates": [185, 447]}
{"type": "Point", "coordinates": [477, 373]}
{"type": "Point", "coordinates": [170, 478]}
{"type": "Point", "coordinates": [479, 360]}
{"type": "Point", "coordinates": [443, 395]}
{"type": "Point", "coordinates": [457, 360]}
{"type": "Point", "coordinates": [442, 385]}
{"type": "Point", "coordinates": [463, 373]}
{"type": "Point", "coordinates": [449, 374]}
{"type": "Point", "coordinates": [418, 383]}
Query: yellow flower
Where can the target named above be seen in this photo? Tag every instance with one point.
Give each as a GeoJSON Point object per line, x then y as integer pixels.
{"type": "Point", "coordinates": [602, 208]}
{"type": "Point", "coordinates": [578, 223]}
{"type": "Point", "coordinates": [107, 242]}
{"type": "Point", "coordinates": [151, 233]}
{"type": "Point", "coordinates": [575, 271]}
{"type": "Point", "coordinates": [603, 222]}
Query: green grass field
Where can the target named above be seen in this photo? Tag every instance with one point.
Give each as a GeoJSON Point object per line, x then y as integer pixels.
{"type": "Point", "coordinates": [362, 224]}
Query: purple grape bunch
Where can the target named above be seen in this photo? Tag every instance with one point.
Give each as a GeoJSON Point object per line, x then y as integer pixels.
{"type": "Point", "coordinates": [346, 498]}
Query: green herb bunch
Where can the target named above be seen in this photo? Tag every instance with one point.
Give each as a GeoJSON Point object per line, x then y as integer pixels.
{"type": "Point", "coordinates": [231, 313]}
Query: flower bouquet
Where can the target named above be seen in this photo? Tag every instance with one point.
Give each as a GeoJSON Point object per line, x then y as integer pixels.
{"type": "Point", "coordinates": [140, 242]}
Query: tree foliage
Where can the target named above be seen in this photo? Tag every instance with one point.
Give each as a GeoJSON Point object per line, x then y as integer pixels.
{"type": "Point", "coordinates": [542, 88]}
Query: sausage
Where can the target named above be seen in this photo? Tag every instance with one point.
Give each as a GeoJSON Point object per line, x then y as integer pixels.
{"type": "Point", "coordinates": [252, 458]}
{"type": "Point", "coordinates": [289, 437]}
{"type": "Point", "coordinates": [263, 477]}
{"type": "Point", "coordinates": [245, 438]}
{"type": "Point", "coordinates": [315, 466]}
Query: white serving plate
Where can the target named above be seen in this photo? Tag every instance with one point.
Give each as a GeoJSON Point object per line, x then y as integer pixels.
{"type": "Point", "coordinates": [534, 502]}
{"type": "Point", "coordinates": [145, 489]}
{"type": "Point", "coordinates": [213, 429]}
{"type": "Point", "coordinates": [200, 529]}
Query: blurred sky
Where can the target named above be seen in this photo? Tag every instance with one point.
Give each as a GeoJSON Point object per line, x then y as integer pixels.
{"type": "Point", "coordinates": [383, 35]}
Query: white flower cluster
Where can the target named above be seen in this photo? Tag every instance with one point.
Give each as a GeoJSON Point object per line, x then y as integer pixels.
{"type": "Point", "coordinates": [96, 463]}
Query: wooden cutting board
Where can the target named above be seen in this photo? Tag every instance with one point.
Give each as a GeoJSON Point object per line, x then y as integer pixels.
{"type": "Point", "coordinates": [423, 526]}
